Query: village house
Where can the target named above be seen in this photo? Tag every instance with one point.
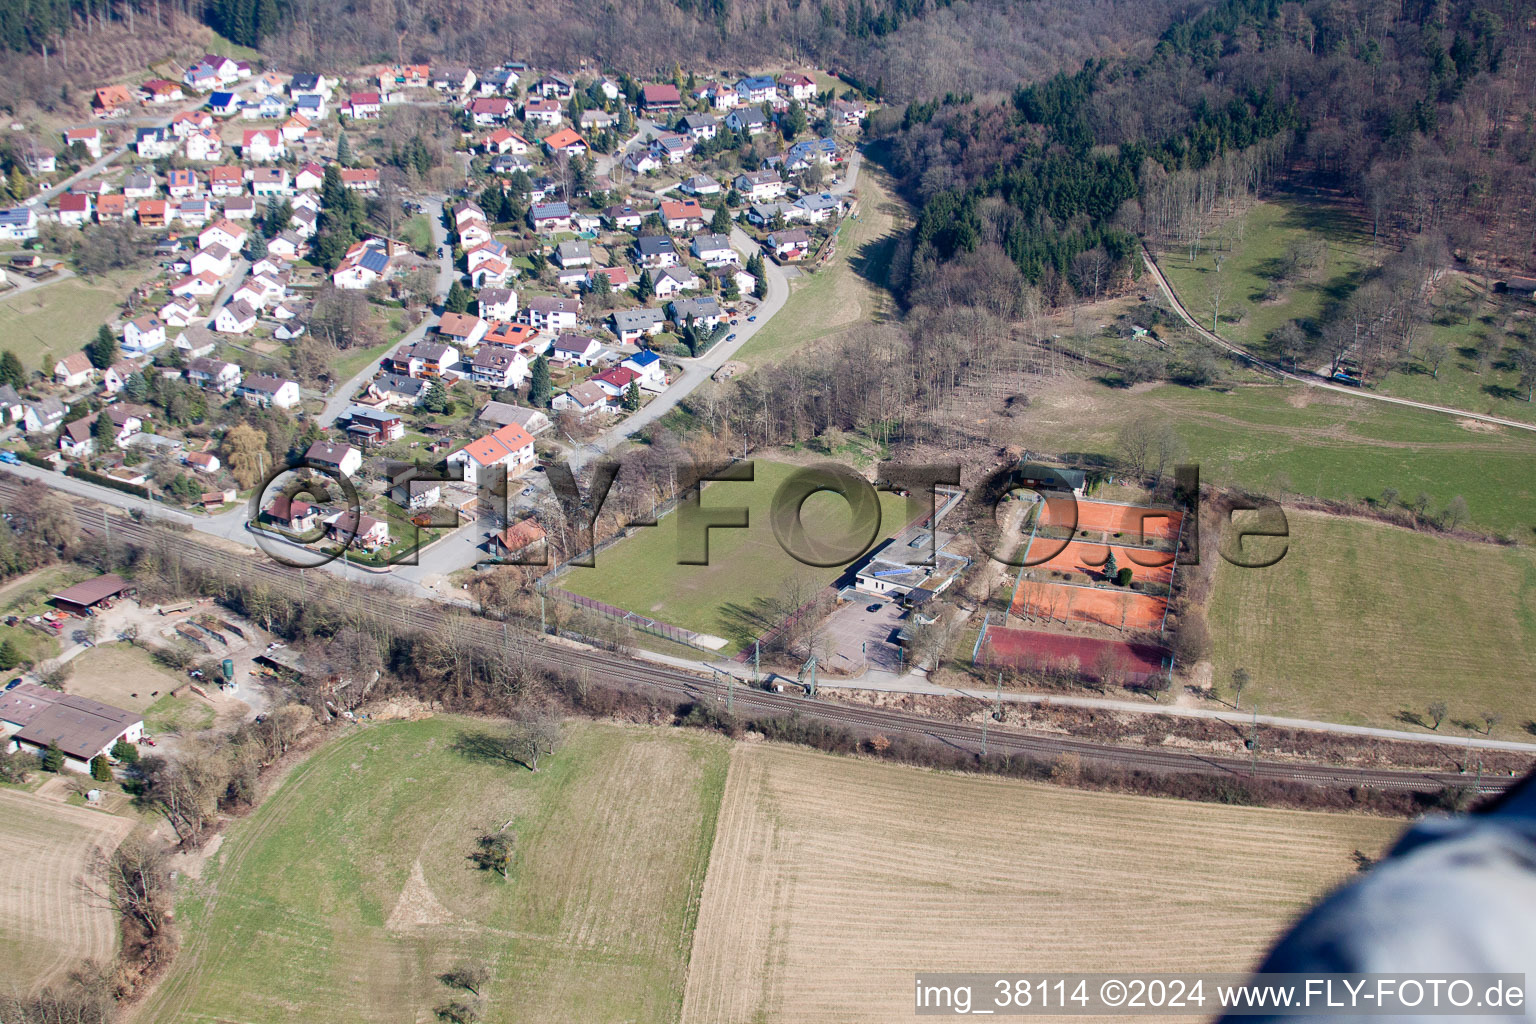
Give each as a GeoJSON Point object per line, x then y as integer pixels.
{"type": "Point", "coordinates": [200, 285]}
{"type": "Point", "coordinates": [213, 260]}
{"type": "Point", "coordinates": [364, 263]}
{"type": "Point", "coordinates": [630, 325]}
{"type": "Point", "coordinates": [177, 311]}
{"type": "Point", "coordinates": [671, 148]}
{"type": "Point", "coordinates": [575, 350]}
{"type": "Point", "coordinates": [112, 101]}
{"type": "Point", "coordinates": [90, 138]}
{"type": "Point", "coordinates": [714, 250]}
{"type": "Point", "coordinates": [648, 370]}
{"type": "Point", "coordinates": [682, 215]}
{"type": "Point", "coordinates": [497, 366]}
{"type": "Point", "coordinates": [797, 87]}
{"type": "Point", "coordinates": [111, 208]}
{"type": "Point", "coordinates": [398, 389]}
{"type": "Point", "coordinates": [75, 209]}
{"type": "Point", "coordinates": [360, 179]}
{"type": "Point", "coordinates": [699, 126]}
{"type": "Point", "coordinates": [567, 141]}
{"type": "Point", "coordinates": [847, 113]}
{"type": "Point", "coordinates": [269, 181]}
{"type": "Point", "coordinates": [656, 251]}
{"type": "Point", "coordinates": [226, 181]}
{"type": "Point", "coordinates": [373, 428]}
{"type": "Point", "coordinates": [497, 303]}
{"type": "Point", "coordinates": [616, 381]}
{"type": "Point", "coordinates": [791, 244]}
{"type": "Point", "coordinates": [263, 390]}
{"type": "Point", "coordinates": [73, 370]}
{"type": "Point", "coordinates": [293, 515]}
{"type": "Point", "coordinates": [213, 374]}
{"type": "Point", "coordinates": [545, 112]}
{"type": "Point", "coordinates": [236, 317]}
{"type": "Point", "coordinates": [575, 253]}
{"type": "Point", "coordinates": [461, 330]}
{"type": "Point", "coordinates": [504, 140]}
{"type": "Point", "coordinates": [748, 119]}
{"type": "Point", "coordinates": [45, 414]}
{"type": "Point", "coordinates": [452, 79]}
{"type": "Point", "coordinates": [552, 313]}
{"type": "Point", "coordinates": [548, 218]}
{"type": "Point", "coordinates": [658, 99]}
{"type": "Point", "coordinates": [18, 223]}
{"type": "Point", "coordinates": [364, 105]}
{"type": "Point", "coordinates": [701, 185]}
{"type": "Point", "coordinates": [703, 311]}
{"type": "Point", "coordinates": [583, 400]}
{"type": "Point", "coordinates": [360, 531]}
{"type": "Point", "coordinates": [641, 161]}
{"type": "Point", "coordinates": [262, 145]}
{"type": "Point", "coordinates": [488, 111]}
{"type": "Point", "coordinates": [623, 217]}
{"type": "Point", "coordinates": [342, 458]}
{"type": "Point", "coordinates": [144, 334]}
{"type": "Point", "coordinates": [203, 462]}
{"type": "Point", "coordinates": [674, 280]}
{"type": "Point", "coordinates": [424, 359]}
{"type": "Point", "coordinates": [223, 104]}
{"type": "Point", "coordinates": [716, 95]}
{"type": "Point", "coordinates": [760, 185]}
{"type": "Point", "coordinates": [510, 446]}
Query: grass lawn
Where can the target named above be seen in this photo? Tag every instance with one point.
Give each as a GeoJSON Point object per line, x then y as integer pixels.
{"type": "Point", "coordinates": [1250, 258]}
{"type": "Point", "coordinates": [46, 324]}
{"type": "Point", "coordinates": [1298, 440]}
{"type": "Point", "coordinates": [178, 714]}
{"type": "Point", "coordinates": [847, 291]}
{"type": "Point", "coordinates": [748, 571]}
{"type": "Point", "coordinates": [352, 361]}
{"type": "Point", "coordinates": [1465, 319]}
{"type": "Point", "coordinates": [345, 894]}
{"type": "Point", "coordinates": [417, 232]}
{"type": "Point", "coordinates": [1362, 623]}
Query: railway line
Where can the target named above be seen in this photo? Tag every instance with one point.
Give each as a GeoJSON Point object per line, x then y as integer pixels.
{"type": "Point", "coordinates": [627, 673]}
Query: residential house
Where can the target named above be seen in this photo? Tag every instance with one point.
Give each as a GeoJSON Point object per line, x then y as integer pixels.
{"type": "Point", "coordinates": [641, 161]}
{"type": "Point", "coordinates": [153, 143]}
{"type": "Point", "coordinates": [213, 374]}
{"type": "Point", "coordinates": [190, 121]}
{"type": "Point", "coordinates": [203, 462]}
{"type": "Point", "coordinates": [701, 185]}
{"type": "Point", "coordinates": [215, 260]}
{"type": "Point", "coordinates": [452, 79]}
{"type": "Point", "coordinates": [263, 390]}
{"type": "Point", "coordinates": [548, 218]}
{"type": "Point", "coordinates": [485, 252]}
{"type": "Point", "coordinates": [196, 341]}
{"type": "Point", "coordinates": [73, 370]}
{"type": "Point", "coordinates": [718, 96]}
{"type": "Point", "coordinates": [226, 233]}
{"type": "Point", "coordinates": [360, 179]}
{"type": "Point", "coordinates": [366, 262]}
{"type": "Point", "coordinates": [115, 377]}
{"type": "Point", "coordinates": [545, 112]}
{"type": "Point", "coordinates": [181, 183]}
{"type": "Point", "coordinates": [12, 410]}
{"type": "Point", "coordinates": [756, 89]}
{"type": "Point", "coordinates": [296, 128]}
{"type": "Point", "coordinates": [90, 138]}
{"type": "Point", "coordinates": [488, 111]}
{"type": "Point", "coordinates": [152, 213]}
{"type": "Point", "coordinates": [204, 147]}
{"type": "Point", "coordinates": [364, 105]}
{"type": "Point", "coordinates": [683, 215]}
{"type": "Point", "coordinates": [699, 126]}
{"type": "Point", "coordinates": [575, 350]}
{"type": "Point", "coordinates": [194, 212]}
{"type": "Point", "coordinates": [658, 99]}
{"type": "Point", "coordinates": [342, 458]}
{"type": "Point", "coordinates": [293, 515]}
{"type": "Point", "coordinates": [286, 245]}
{"type": "Point", "coordinates": [110, 208]}
{"type": "Point", "coordinates": [818, 207]}
{"type": "Point", "coordinates": [553, 86]}
{"type": "Point", "coordinates": [671, 148]}
{"type": "Point", "coordinates": [424, 359]}
{"type": "Point", "coordinates": [797, 87]}
{"type": "Point", "coordinates": [764, 214]}
{"type": "Point", "coordinates": [808, 151]}
{"type": "Point", "coordinates": [178, 311]}
{"type": "Point", "coordinates": [575, 253]}
{"type": "Point", "coordinates": [525, 536]}
{"type": "Point", "coordinates": [373, 428]}
{"type": "Point", "coordinates": [262, 145]}
{"type": "Point", "coordinates": [43, 415]}
{"type": "Point", "coordinates": [630, 325]}
{"type": "Point", "coordinates": [704, 311]}
{"type": "Point", "coordinates": [584, 400]}
{"type": "Point", "coordinates": [847, 113]}
{"type": "Point", "coordinates": [597, 120]}
{"type": "Point", "coordinates": [623, 217]}
{"type": "Point", "coordinates": [398, 389]}
{"type": "Point", "coordinates": [112, 101]}
{"type": "Point", "coordinates": [270, 83]}
{"type": "Point", "coordinates": [139, 184]}
{"type": "Point", "coordinates": [504, 140]}
{"type": "Point", "coordinates": [619, 278]}
{"type": "Point", "coordinates": [552, 313]}
{"type": "Point", "coordinates": [748, 119]}
{"type": "Point", "coordinates": [497, 303]}
{"type": "Point", "coordinates": [497, 366]}
{"type": "Point", "coordinates": [656, 251]}
{"type": "Point", "coordinates": [223, 104]}
{"type": "Point", "coordinates": [616, 380]}
{"type": "Point", "coordinates": [648, 370]}
{"type": "Point", "coordinates": [510, 446]}
{"type": "Point", "coordinates": [790, 244]}
{"type": "Point", "coordinates": [359, 531]}
{"type": "Point", "coordinates": [144, 334]}
{"type": "Point", "coordinates": [309, 178]}
{"type": "Point", "coordinates": [269, 181]}
{"type": "Point", "coordinates": [760, 185]}
{"type": "Point", "coordinates": [714, 250]}
{"type": "Point", "coordinates": [265, 108]}
{"type": "Point", "coordinates": [75, 209]}
{"type": "Point", "coordinates": [567, 141]}
{"type": "Point", "coordinates": [489, 272]}
{"type": "Point", "coordinates": [240, 208]}
{"type": "Point", "coordinates": [200, 285]}
{"type": "Point", "coordinates": [226, 181]}
{"type": "Point", "coordinates": [674, 280]}
{"type": "Point", "coordinates": [501, 413]}
{"type": "Point", "coordinates": [18, 223]}
{"type": "Point", "coordinates": [236, 317]}
{"type": "Point", "coordinates": [462, 331]}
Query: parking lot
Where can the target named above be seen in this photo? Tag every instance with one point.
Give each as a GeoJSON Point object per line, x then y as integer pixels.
{"type": "Point", "coordinates": [858, 638]}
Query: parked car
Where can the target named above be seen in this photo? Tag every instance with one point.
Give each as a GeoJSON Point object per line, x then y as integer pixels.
{"type": "Point", "coordinates": [752, 318]}
{"type": "Point", "coordinates": [9, 458]}
{"type": "Point", "coordinates": [874, 607]}
{"type": "Point", "coordinates": [730, 337]}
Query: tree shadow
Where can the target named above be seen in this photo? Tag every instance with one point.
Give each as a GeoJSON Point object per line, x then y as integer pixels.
{"type": "Point", "coordinates": [872, 261]}
{"type": "Point", "coordinates": [1530, 727]}
{"type": "Point", "coordinates": [486, 748]}
{"type": "Point", "coordinates": [742, 624]}
{"type": "Point", "coordinates": [1500, 391]}
{"type": "Point", "coordinates": [1411, 718]}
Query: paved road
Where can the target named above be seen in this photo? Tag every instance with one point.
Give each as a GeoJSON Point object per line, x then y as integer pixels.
{"type": "Point", "coordinates": [1310, 381]}
{"type": "Point", "coordinates": [341, 397]}
{"type": "Point", "coordinates": [238, 270]}
{"type": "Point", "coordinates": [697, 371]}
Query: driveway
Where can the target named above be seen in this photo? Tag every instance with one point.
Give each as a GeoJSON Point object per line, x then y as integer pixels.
{"type": "Point", "coordinates": [341, 397]}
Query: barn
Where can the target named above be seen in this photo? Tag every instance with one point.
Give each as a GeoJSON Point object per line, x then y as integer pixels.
{"type": "Point", "coordinates": [101, 591]}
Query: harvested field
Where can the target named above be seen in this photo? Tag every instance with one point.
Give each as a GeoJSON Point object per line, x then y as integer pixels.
{"type": "Point", "coordinates": [48, 922]}
{"type": "Point", "coordinates": [833, 880]}
{"type": "Point", "coordinates": [1122, 609]}
{"type": "Point", "coordinates": [1028, 648]}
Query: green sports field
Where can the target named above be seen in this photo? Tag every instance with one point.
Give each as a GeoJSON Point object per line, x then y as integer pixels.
{"type": "Point", "coordinates": [747, 569]}
{"type": "Point", "coordinates": [346, 894]}
{"type": "Point", "coordinates": [1368, 624]}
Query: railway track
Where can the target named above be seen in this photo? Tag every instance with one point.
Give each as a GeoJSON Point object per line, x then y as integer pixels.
{"type": "Point", "coordinates": [626, 673]}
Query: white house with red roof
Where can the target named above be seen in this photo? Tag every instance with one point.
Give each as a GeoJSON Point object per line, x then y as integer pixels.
{"type": "Point", "coordinates": [510, 446]}
{"type": "Point", "coordinates": [364, 105]}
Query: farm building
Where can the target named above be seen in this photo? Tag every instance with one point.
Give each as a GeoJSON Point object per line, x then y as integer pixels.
{"type": "Point", "coordinates": [91, 593]}
{"type": "Point", "coordinates": [33, 718]}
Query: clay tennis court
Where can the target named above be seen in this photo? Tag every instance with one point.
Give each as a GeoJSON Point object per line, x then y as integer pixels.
{"type": "Point", "coordinates": [1107, 517]}
{"type": "Point", "coordinates": [1027, 648]}
{"type": "Point", "coordinates": [1123, 609]}
{"type": "Point", "coordinates": [1088, 557]}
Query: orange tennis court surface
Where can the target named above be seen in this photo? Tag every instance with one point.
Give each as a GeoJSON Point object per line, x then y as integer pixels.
{"type": "Point", "coordinates": [1107, 517]}
{"type": "Point", "coordinates": [1027, 648]}
{"type": "Point", "coordinates": [1123, 609]}
{"type": "Point", "coordinates": [1088, 557]}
